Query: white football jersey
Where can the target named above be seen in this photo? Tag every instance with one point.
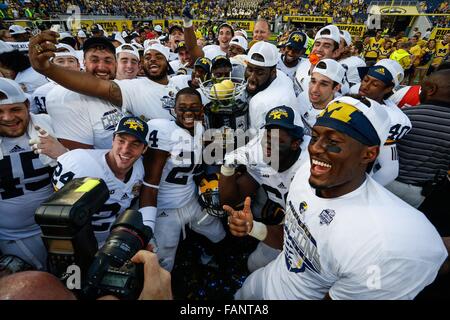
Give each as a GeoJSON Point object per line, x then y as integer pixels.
{"type": "Point", "coordinates": [356, 246]}
{"type": "Point", "coordinates": [182, 81]}
{"type": "Point", "coordinates": [177, 186]}
{"type": "Point", "coordinates": [30, 80]}
{"type": "Point", "coordinates": [275, 184]}
{"type": "Point", "coordinates": [176, 65]}
{"type": "Point", "coordinates": [302, 76]}
{"type": "Point", "coordinates": [400, 123]}
{"type": "Point", "coordinates": [38, 103]}
{"type": "Point", "coordinates": [82, 118]}
{"type": "Point", "coordinates": [147, 99]}
{"type": "Point", "coordinates": [279, 92]}
{"type": "Point", "coordinates": [24, 185]}
{"type": "Point", "coordinates": [353, 63]}
{"type": "Point", "coordinates": [82, 163]}
{"type": "Point", "coordinates": [290, 72]}
{"type": "Point", "coordinates": [213, 50]}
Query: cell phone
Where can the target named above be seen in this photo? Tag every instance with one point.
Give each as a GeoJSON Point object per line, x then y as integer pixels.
{"type": "Point", "coordinates": [55, 28]}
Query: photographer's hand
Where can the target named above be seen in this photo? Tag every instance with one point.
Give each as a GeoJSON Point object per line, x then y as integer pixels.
{"type": "Point", "coordinates": [157, 281]}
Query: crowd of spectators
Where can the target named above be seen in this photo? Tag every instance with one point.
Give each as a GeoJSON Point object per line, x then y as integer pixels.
{"type": "Point", "coordinates": [342, 11]}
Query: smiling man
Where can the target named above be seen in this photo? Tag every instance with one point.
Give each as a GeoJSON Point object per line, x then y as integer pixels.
{"type": "Point", "coordinates": [266, 86]}
{"type": "Point", "coordinates": [128, 62]}
{"type": "Point", "coordinates": [169, 192]}
{"type": "Point", "coordinates": [148, 97]}
{"type": "Point", "coordinates": [24, 176]}
{"type": "Point", "coordinates": [345, 236]}
{"type": "Point", "coordinates": [326, 46]}
{"type": "Point", "coordinates": [295, 48]}
{"type": "Point", "coordinates": [120, 167]}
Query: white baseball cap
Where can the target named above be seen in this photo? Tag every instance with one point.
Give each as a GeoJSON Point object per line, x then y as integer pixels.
{"type": "Point", "coordinates": [69, 53]}
{"type": "Point", "coordinates": [149, 42]}
{"type": "Point", "coordinates": [16, 29]}
{"type": "Point", "coordinates": [128, 48]}
{"type": "Point", "coordinates": [268, 53]}
{"type": "Point", "coordinates": [346, 36]}
{"type": "Point", "coordinates": [63, 35]}
{"type": "Point", "coordinates": [331, 69]}
{"type": "Point", "coordinates": [158, 28]}
{"type": "Point", "coordinates": [239, 41]}
{"type": "Point", "coordinates": [158, 47]}
{"type": "Point", "coordinates": [5, 47]}
{"type": "Point", "coordinates": [137, 45]}
{"type": "Point", "coordinates": [394, 68]}
{"type": "Point", "coordinates": [244, 33]}
{"type": "Point", "coordinates": [12, 91]}
{"type": "Point", "coordinates": [82, 34]}
{"type": "Point", "coordinates": [116, 36]}
{"type": "Point", "coordinates": [329, 32]}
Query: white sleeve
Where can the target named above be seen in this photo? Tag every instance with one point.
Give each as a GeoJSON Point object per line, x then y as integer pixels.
{"type": "Point", "coordinates": [395, 278]}
{"type": "Point", "coordinates": [129, 90]}
{"type": "Point", "coordinates": [387, 166]}
{"type": "Point", "coordinates": [71, 120]}
{"type": "Point", "coordinates": [160, 135]}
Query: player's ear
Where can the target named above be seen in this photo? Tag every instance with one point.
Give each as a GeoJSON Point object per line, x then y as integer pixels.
{"type": "Point", "coordinates": [370, 154]}
{"type": "Point", "coordinates": [295, 144]}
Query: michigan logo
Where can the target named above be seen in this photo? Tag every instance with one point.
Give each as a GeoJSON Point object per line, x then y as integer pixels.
{"type": "Point", "coordinates": [297, 38]}
{"type": "Point", "coordinates": [134, 125]}
{"type": "Point", "coordinates": [339, 111]}
{"type": "Point", "coordinates": [278, 113]}
{"type": "Point", "coordinates": [205, 61]}
{"type": "Point", "coordinates": [380, 71]}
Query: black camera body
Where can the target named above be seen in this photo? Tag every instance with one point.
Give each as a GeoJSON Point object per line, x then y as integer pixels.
{"type": "Point", "coordinates": [65, 221]}
{"type": "Point", "coordinates": [111, 272]}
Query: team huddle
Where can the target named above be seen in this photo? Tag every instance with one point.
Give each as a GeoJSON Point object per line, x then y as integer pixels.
{"type": "Point", "coordinates": [310, 181]}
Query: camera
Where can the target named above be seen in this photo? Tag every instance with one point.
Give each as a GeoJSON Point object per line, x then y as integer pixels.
{"type": "Point", "coordinates": [65, 221]}
{"type": "Point", "coordinates": [111, 272]}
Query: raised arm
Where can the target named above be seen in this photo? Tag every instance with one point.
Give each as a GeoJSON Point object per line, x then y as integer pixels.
{"type": "Point", "coordinates": [42, 48]}
{"type": "Point", "coordinates": [189, 35]}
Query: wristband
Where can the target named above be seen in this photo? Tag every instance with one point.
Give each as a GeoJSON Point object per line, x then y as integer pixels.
{"type": "Point", "coordinates": [149, 216]}
{"type": "Point", "coordinates": [259, 231]}
{"type": "Point", "coordinates": [227, 171]}
{"type": "Point", "coordinates": [150, 185]}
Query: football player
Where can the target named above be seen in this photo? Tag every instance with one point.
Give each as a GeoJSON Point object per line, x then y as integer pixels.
{"type": "Point", "coordinates": [295, 48]}
{"type": "Point", "coordinates": [128, 62]}
{"type": "Point", "coordinates": [24, 176]}
{"type": "Point", "coordinates": [378, 83]}
{"type": "Point", "coordinates": [283, 138]}
{"type": "Point", "coordinates": [345, 236]}
{"type": "Point", "coordinates": [120, 167]}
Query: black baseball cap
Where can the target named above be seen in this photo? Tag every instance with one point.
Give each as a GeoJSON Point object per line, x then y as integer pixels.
{"type": "Point", "coordinates": [297, 40]}
{"type": "Point", "coordinates": [99, 41]}
{"type": "Point", "coordinates": [284, 117]}
{"type": "Point", "coordinates": [203, 63]}
{"type": "Point", "coordinates": [180, 45]}
{"type": "Point", "coordinates": [175, 27]}
{"type": "Point", "coordinates": [133, 126]}
{"type": "Point", "coordinates": [221, 61]}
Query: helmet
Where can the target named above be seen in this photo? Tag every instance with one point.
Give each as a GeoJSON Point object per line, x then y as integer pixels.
{"type": "Point", "coordinates": [209, 198]}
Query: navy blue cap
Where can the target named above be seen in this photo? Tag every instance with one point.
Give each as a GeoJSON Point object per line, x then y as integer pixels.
{"type": "Point", "coordinates": [134, 126]}
{"type": "Point", "coordinates": [283, 117]}
{"type": "Point", "coordinates": [222, 61]}
{"type": "Point", "coordinates": [180, 45]}
{"type": "Point", "coordinates": [378, 72]}
{"type": "Point", "coordinates": [203, 63]}
{"type": "Point", "coordinates": [297, 40]}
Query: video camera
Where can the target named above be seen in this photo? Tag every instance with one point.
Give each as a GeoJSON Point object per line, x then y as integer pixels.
{"type": "Point", "coordinates": [67, 232]}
